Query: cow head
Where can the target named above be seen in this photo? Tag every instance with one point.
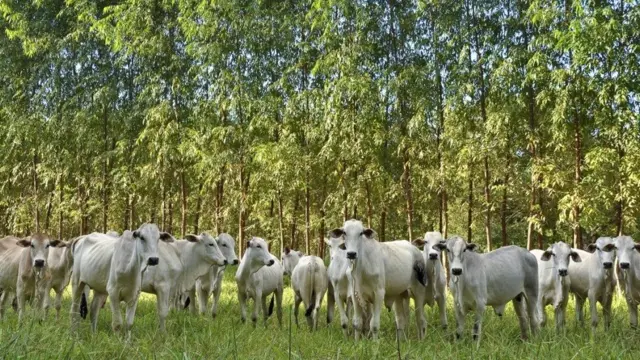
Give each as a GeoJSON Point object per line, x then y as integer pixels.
{"type": "Point", "coordinates": [604, 250]}
{"type": "Point", "coordinates": [353, 235]}
{"type": "Point", "coordinates": [290, 259]}
{"type": "Point", "coordinates": [39, 245]}
{"type": "Point", "coordinates": [257, 252]}
{"type": "Point", "coordinates": [456, 250]}
{"type": "Point", "coordinates": [561, 253]}
{"type": "Point", "coordinates": [228, 247]}
{"type": "Point", "coordinates": [208, 248]}
{"type": "Point", "coordinates": [627, 250]}
{"type": "Point", "coordinates": [336, 246]}
{"type": "Point", "coordinates": [430, 242]}
{"type": "Point", "coordinates": [147, 237]}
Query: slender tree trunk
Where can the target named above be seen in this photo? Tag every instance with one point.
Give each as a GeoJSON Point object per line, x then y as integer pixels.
{"type": "Point", "coordinates": [307, 218]}
{"type": "Point", "coordinates": [383, 225]}
{"type": "Point", "coordinates": [280, 222]}
{"type": "Point", "coordinates": [154, 205]}
{"type": "Point", "coordinates": [164, 206]}
{"type": "Point", "coordinates": [183, 198]}
{"type": "Point", "coordinates": [35, 192]}
{"type": "Point", "coordinates": [170, 216]}
{"type": "Point", "coordinates": [408, 193]}
{"type": "Point", "coordinates": [577, 229]}
{"type": "Point", "coordinates": [322, 230]}
{"type": "Point", "coordinates": [470, 205]}
{"type": "Point", "coordinates": [105, 167]}
{"type": "Point", "coordinates": [47, 219]}
{"type": "Point", "coordinates": [369, 206]}
{"type": "Point", "coordinates": [196, 220]}
{"type": "Point", "coordinates": [540, 234]}
{"type": "Point", "coordinates": [241, 211]}
{"type": "Point", "coordinates": [487, 199]}
{"type": "Point", "coordinates": [293, 243]}
{"type": "Point", "coordinates": [132, 212]}
{"type": "Point", "coordinates": [503, 205]}
{"type": "Point", "coordinates": [345, 211]}
{"type": "Point", "coordinates": [60, 207]}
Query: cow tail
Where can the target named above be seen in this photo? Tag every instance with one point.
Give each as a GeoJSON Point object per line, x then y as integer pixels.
{"type": "Point", "coordinates": [312, 298]}
{"type": "Point", "coordinates": [421, 274]}
{"type": "Point", "coordinates": [83, 306]}
{"type": "Point", "coordinates": [271, 305]}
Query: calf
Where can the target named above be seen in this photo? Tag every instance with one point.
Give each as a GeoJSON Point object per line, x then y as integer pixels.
{"type": "Point", "coordinates": [436, 280]}
{"type": "Point", "coordinates": [553, 283]}
{"type": "Point", "coordinates": [180, 264]}
{"type": "Point", "coordinates": [506, 274]}
{"type": "Point", "coordinates": [113, 267]}
{"type": "Point", "coordinates": [258, 276]}
{"type": "Point", "coordinates": [593, 279]}
{"type": "Point", "coordinates": [628, 272]}
{"type": "Point", "coordinates": [339, 290]}
{"type": "Point", "coordinates": [23, 270]}
{"type": "Point", "coordinates": [59, 264]}
{"type": "Point", "coordinates": [211, 282]}
{"type": "Point", "coordinates": [386, 273]}
{"type": "Point", "coordinates": [309, 281]}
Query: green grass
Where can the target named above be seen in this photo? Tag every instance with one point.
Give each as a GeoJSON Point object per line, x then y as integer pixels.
{"type": "Point", "coordinates": [201, 337]}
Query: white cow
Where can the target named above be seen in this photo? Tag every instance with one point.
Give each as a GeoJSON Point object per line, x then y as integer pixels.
{"type": "Point", "coordinates": [628, 272]}
{"type": "Point", "coordinates": [309, 281]}
{"type": "Point", "coordinates": [506, 274]}
{"type": "Point", "coordinates": [113, 267]}
{"type": "Point", "coordinates": [59, 265]}
{"type": "Point", "coordinates": [258, 276]}
{"type": "Point", "coordinates": [593, 278]}
{"type": "Point", "coordinates": [23, 270]}
{"type": "Point", "coordinates": [339, 290]}
{"type": "Point", "coordinates": [180, 264]}
{"type": "Point", "coordinates": [211, 282]}
{"type": "Point", "coordinates": [383, 273]}
{"type": "Point", "coordinates": [553, 283]}
{"type": "Point", "coordinates": [436, 279]}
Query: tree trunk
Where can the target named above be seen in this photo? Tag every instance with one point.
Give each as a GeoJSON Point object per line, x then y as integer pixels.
{"type": "Point", "coordinates": [487, 199]}
{"type": "Point", "coordinates": [244, 178]}
{"type": "Point", "coordinates": [293, 243]}
{"type": "Point", "coordinates": [383, 225]}
{"type": "Point", "coordinates": [408, 192]}
{"type": "Point", "coordinates": [49, 208]}
{"type": "Point", "coordinates": [280, 222]}
{"type": "Point", "coordinates": [196, 220]}
{"type": "Point", "coordinates": [577, 229]}
{"type": "Point", "coordinates": [503, 206]}
{"type": "Point", "coordinates": [170, 216]}
{"type": "Point", "coordinates": [470, 205]}
{"type": "Point", "coordinates": [60, 207]}
{"type": "Point", "coordinates": [307, 218]}
{"type": "Point", "coordinates": [540, 234]}
{"type": "Point", "coordinates": [164, 204]}
{"type": "Point", "coordinates": [183, 198]}
{"type": "Point", "coordinates": [369, 206]}
{"type": "Point", "coordinates": [132, 212]}
{"type": "Point", "coordinates": [105, 167]}
{"type": "Point", "coordinates": [35, 192]}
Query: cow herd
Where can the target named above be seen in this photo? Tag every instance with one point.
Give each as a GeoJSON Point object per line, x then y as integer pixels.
{"type": "Point", "coordinates": [363, 276]}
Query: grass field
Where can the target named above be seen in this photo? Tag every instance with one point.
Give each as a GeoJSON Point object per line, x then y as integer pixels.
{"type": "Point", "coordinates": [201, 337]}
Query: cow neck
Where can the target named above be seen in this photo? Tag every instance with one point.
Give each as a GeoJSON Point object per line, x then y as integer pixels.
{"type": "Point", "coordinates": [631, 276]}
{"type": "Point", "coordinates": [192, 270]}
{"type": "Point", "coordinates": [245, 269]}
{"type": "Point", "coordinates": [128, 251]}
{"type": "Point", "coordinates": [370, 252]}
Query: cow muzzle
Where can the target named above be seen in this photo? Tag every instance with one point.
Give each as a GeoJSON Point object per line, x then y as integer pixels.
{"type": "Point", "coordinates": [563, 272]}
{"type": "Point", "coordinates": [433, 256]}
{"type": "Point", "coordinates": [153, 261]}
{"type": "Point", "coordinates": [225, 262]}
{"type": "Point", "coordinates": [456, 271]}
{"type": "Point", "coordinates": [236, 262]}
{"type": "Point", "coordinates": [352, 255]}
{"type": "Point", "coordinates": [607, 265]}
{"type": "Point", "coordinates": [271, 262]}
{"type": "Point", "coordinates": [624, 265]}
{"type": "Point", "coordinates": [39, 263]}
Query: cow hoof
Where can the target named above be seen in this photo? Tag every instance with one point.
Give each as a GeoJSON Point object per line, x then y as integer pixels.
{"type": "Point", "coordinates": [458, 336]}
{"type": "Point", "coordinates": [244, 320]}
{"type": "Point", "coordinates": [475, 337]}
{"type": "Point", "coordinates": [444, 326]}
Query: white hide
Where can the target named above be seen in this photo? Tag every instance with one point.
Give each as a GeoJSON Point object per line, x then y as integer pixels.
{"type": "Point", "coordinates": [553, 280]}
{"type": "Point", "coordinates": [593, 279]}
{"type": "Point", "coordinates": [259, 275]}
{"type": "Point", "coordinates": [309, 281]}
{"type": "Point", "coordinates": [59, 264]}
{"type": "Point", "coordinates": [628, 271]}
{"type": "Point", "coordinates": [113, 267]}
{"type": "Point", "coordinates": [506, 274]}
{"type": "Point", "coordinates": [382, 273]}
{"type": "Point", "coordinates": [435, 290]}
{"type": "Point", "coordinates": [339, 291]}
{"type": "Point", "coordinates": [181, 263]}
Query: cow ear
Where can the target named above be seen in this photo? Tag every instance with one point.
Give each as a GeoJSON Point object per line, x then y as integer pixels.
{"type": "Point", "coordinates": [287, 251]}
{"type": "Point", "coordinates": [192, 238]}
{"type": "Point", "coordinates": [300, 253]}
{"type": "Point", "coordinates": [368, 233]}
{"type": "Point", "coordinates": [57, 243]}
{"type": "Point", "coordinates": [575, 257]}
{"type": "Point", "coordinates": [637, 247]}
{"type": "Point", "coordinates": [166, 237]}
{"type": "Point", "coordinates": [419, 243]}
{"type": "Point", "coordinates": [24, 243]}
{"type": "Point", "coordinates": [471, 247]}
{"type": "Point", "coordinates": [136, 234]}
{"type": "Point", "coordinates": [591, 247]}
{"type": "Point", "coordinates": [336, 233]}
{"type": "Point", "coordinates": [442, 245]}
{"type": "Point", "coordinates": [546, 255]}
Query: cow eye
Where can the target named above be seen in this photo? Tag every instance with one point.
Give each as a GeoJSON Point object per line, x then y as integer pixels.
{"type": "Point", "coordinates": [259, 247]}
{"type": "Point", "coordinates": [224, 245]}
{"type": "Point", "coordinates": [47, 246]}
{"type": "Point", "coordinates": [32, 246]}
{"type": "Point", "coordinates": [211, 244]}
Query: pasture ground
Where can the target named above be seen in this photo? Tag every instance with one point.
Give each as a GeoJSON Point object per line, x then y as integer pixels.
{"type": "Point", "coordinates": [201, 337]}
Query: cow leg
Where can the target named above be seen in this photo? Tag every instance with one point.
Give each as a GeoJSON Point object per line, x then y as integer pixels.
{"type": "Point", "coordinates": [216, 298]}
{"type": "Point", "coordinates": [606, 310]}
{"type": "Point", "coordinates": [344, 318]}
{"type": "Point", "coordinates": [256, 307]}
{"type": "Point", "coordinates": [378, 300]}
{"type": "Point", "coordinates": [401, 321]}
{"type": "Point", "coordinates": [131, 313]}
{"type": "Point", "coordinates": [162, 304]}
{"type": "Point", "coordinates": [560, 310]}
{"type": "Point", "coordinates": [357, 320]}
{"type": "Point", "coordinates": [192, 302]}
{"type": "Point", "coordinates": [331, 301]}
{"type": "Point", "coordinates": [46, 300]}
{"type": "Point", "coordinates": [96, 304]}
{"type": "Point", "coordinates": [296, 308]}
{"type": "Point", "coordinates": [477, 326]}
{"type": "Point", "coordinates": [421, 321]}
{"type": "Point", "coordinates": [20, 289]}
{"type": "Point", "coordinates": [116, 315]}
{"type": "Point", "coordinates": [4, 301]}
{"type": "Point", "coordinates": [594, 309]}
{"type": "Point", "coordinates": [242, 299]}
{"type": "Point", "coordinates": [441, 300]}
{"type": "Point", "coordinates": [460, 319]}
{"type": "Point", "coordinates": [279, 306]}
{"type": "Point", "coordinates": [519, 307]}
{"type": "Point", "coordinates": [632, 306]}
{"type": "Point", "coordinates": [77, 288]}
{"type": "Point", "coordinates": [542, 314]}
{"type": "Point", "coordinates": [265, 310]}
{"type": "Point", "coordinates": [579, 310]}
{"type": "Point", "coordinates": [203, 297]}
{"type": "Point", "coordinates": [58, 303]}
